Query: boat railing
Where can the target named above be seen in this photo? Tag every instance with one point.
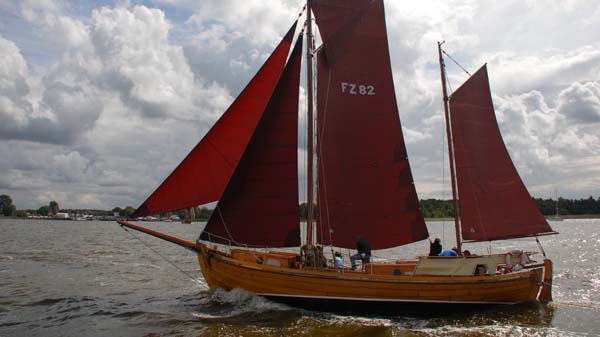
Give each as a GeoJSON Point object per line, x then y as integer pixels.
{"type": "Point", "coordinates": [227, 245]}
{"type": "Point", "coordinates": [232, 244]}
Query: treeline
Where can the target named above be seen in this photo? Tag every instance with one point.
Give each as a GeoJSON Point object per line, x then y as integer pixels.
{"type": "Point", "coordinates": [7, 208]}
{"type": "Point", "coordinates": [431, 208]}
{"type": "Point", "coordinates": [200, 213]}
{"type": "Point", "coordinates": [435, 208]}
{"type": "Point", "coordinates": [587, 206]}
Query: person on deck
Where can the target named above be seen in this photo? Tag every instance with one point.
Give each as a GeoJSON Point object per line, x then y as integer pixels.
{"type": "Point", "coordinates": [308, 255]}
{"type": "Point", "coordinates": [338, 261]}
{"type": "Point", "coordinates": [321, 262]}
{"type": "Point", "coordinates": [435, 247]}
{"type": "Point", "coordinates": [364, 252]}
{"type": "Point", "coordinates": [450, 252]}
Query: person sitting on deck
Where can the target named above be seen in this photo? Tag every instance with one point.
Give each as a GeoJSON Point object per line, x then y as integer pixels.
{"type": "Point", "coordinates": [308, 255]}
{"type": "Point", "coordinates": [435, 247]}
{"type": "Point", "coordinates": [321, 262]}
{"type": "Point", "coordinates": [338, 261]}
{"type": "Point", "coordinates": [449, 252]}
{"type": "Point", "coordinates": [364, 252]}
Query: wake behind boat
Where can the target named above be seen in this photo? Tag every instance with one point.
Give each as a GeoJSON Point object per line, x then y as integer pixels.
{"type": "Point", "coordinates": [248, 162]}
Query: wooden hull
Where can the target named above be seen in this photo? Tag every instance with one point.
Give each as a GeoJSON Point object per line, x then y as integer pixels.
{"type": "Point", "coordinates": [320, 288]}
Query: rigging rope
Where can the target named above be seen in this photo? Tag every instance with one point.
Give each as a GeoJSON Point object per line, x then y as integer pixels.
{"type": "Point", "coordinates": [540, 245]}
{"type": "Point", "coordinates": [443, 168]}
{"type": "Point", "coordinates": [453, 60]}
{"type": "Point", "coordinates": [319, 154]}
{"type": "Point", "coordinates": [196, 280]}
{"type": "Point", "coordinates": [218, 209]}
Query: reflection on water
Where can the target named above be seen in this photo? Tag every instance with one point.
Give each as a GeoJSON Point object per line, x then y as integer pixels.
{"type": "Point", "coordinates": [67, 278]}
{"type": "Point", "coordinates": [254, 318]}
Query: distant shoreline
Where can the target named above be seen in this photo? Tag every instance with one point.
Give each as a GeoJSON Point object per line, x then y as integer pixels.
{"type": "Point", "coordinates": [550, 218]}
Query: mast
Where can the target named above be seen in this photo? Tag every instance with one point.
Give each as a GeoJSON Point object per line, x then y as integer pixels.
{"type": "Point", "coordinates": [450, 149]}
{"type": "Point", "coordinates": [309, 122]}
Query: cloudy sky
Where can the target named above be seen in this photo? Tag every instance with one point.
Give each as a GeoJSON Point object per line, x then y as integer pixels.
{"type": "Point", "coordinates": [100, 100]}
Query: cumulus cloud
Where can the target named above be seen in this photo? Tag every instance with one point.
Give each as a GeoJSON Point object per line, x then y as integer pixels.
{"type": "Point", "coordinates": [98, 105]}
{"type": "Point", "coordinates": [535, 69]}
{"type": "Point", "coordinates": [581, 102]}
{"type": "Point", "coordinates": [60, 115]}
{"type": "Point", "coordinates": [254, 18]}
{"type": "Point", "coordinates": [151, 75]}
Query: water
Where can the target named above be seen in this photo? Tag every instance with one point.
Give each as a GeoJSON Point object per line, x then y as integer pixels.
{"type": "Point", "coordinates": [70, 278]}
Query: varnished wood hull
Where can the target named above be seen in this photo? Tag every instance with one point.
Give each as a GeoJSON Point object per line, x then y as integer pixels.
{"type": "Point", "coordinates": [315, 288]}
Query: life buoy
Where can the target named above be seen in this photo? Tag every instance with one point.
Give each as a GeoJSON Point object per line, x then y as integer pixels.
{"type": "Point", "coordinates": [509, 268]}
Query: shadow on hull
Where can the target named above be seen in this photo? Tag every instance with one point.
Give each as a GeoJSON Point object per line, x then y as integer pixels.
{"type": "Point", "coordinates": [379, 308]}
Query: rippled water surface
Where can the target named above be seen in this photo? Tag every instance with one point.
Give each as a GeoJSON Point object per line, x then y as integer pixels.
{"type": "Point", "coordinates": [71, 278]}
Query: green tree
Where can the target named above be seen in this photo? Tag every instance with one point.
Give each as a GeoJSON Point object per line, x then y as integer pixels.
{"type": "Point", "coordinates": [53, 205]}
{"type": "Point", "coordinates": [203, 213]}
{"type": "Point", "coordinates": [129, 210]}
{"type": "Point", "coordinates": [6, 206]}
{"type": "Point", "coordinates": [43, 211]}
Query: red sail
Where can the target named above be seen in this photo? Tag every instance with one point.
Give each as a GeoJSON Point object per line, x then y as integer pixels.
{"type": "Point", "coordinates": [203, 174]}
{"type": "Point", "coordinates": [365, 182]}
{"type": "Point", "coordinates": [260, 204]}
{"type": "Point", "coordinates": [494, 203]}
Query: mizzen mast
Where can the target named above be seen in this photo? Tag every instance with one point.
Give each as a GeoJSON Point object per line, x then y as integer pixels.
{"type": "Point", "coordinates": [309, 122]}
{"type": "Point", "coordinates": [450, 150]}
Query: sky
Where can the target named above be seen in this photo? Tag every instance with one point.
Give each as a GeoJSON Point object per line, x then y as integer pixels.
{"type": "Point", "coordinates": [101, 100]}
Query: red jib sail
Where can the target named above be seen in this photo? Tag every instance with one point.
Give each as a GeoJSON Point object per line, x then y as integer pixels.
{"type": "Point", "coordinates": [260, 204]}
{"type": "Point", "coordinates": [203, 174]}
{"type": "Point", "coordinates": [365, 182]}
{"type": "Point", "coordinates": [494, 203]}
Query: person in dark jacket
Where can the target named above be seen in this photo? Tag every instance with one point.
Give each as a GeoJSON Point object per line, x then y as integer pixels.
{"type": "Point", "coordinates": [435, 247]}
{"type": "Point", "coordinates": [364, 252]}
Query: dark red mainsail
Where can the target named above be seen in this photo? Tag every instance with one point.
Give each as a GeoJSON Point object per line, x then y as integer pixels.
{"type": "Point", "coordinates": [365, 182]}
{"type": "Point", "coordinates": [202, 176]}
{"type": "Point", "coordinates": [260, 204]}
{"type": "Point", "coordinates": [494, 203]}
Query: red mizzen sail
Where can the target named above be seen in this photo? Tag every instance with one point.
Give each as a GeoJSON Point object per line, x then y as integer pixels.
{"type": "Point", "coordinates": [365, 182]}
{"type": "Point", "coordinates": [260, 204]}
{"type": "Point", "coordinates": [203, 174]}
{"type": "Point", "coordinates": [494, 203]}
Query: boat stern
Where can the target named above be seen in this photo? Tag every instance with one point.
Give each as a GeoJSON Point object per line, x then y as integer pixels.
{"type": "Point", "coordinates": [546, 291]}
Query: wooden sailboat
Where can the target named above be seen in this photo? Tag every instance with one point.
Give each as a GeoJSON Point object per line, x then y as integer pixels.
{"type": "Point", "coordinates": [248, 162]}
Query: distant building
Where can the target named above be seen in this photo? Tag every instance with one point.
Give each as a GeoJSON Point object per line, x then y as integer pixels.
{"type": "Point", "coordinates": [60, 215]}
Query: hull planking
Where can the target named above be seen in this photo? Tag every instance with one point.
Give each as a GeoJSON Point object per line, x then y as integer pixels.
{"type": "Point", "coordinates": [329, 289]}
